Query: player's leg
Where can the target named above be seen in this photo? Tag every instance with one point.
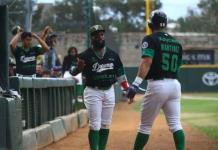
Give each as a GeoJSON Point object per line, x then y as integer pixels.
{"type": "Point", "coordinates": [172, 113]}
{"type": "Point", "coordinates": [150, 108]}
{"type": "Point", "coordinates": [93, 102]}
{"type": "Point", "coordinates": [106, 117]}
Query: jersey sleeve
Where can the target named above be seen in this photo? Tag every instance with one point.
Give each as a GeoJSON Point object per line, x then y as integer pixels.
{"type": "Point", "coordinates": [38, 49]}
{"type": "Point", "coordinates": [147, 47]}
{"type": "Point", "coordinates": [119, 67]}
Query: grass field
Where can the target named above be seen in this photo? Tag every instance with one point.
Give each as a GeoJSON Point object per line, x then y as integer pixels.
{"type": "Point", "coordinates": [200, 111]}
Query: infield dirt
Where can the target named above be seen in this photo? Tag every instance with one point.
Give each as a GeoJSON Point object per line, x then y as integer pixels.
{"type": "Point", "coordinates": [124, 129]}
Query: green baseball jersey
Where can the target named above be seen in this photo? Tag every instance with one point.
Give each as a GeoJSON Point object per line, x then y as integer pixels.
{"type": "Point", "coordinates": [26, 59]}
{"type": "Point", "coordinates": [166, 54]}
{"type": "Point", "coordinates": [101, 72]}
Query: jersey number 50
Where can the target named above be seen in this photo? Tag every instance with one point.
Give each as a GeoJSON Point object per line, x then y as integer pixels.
{"type": "Point", "coordinates": [170, 62]}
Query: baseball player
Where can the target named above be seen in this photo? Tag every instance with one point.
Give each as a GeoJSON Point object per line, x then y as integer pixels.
{"type": "Point", "coordinates": [161, 59]}
{"type": "Point", "coordinates": [101, 68]}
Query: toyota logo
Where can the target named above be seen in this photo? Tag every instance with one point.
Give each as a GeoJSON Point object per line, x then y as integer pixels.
{"type": "Point", "coordinates": [210, 78]}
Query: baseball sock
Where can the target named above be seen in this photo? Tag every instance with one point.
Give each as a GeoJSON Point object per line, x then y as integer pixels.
{"type": "Point", "coordinates": [103, 137]}
{"type": "Point", "coordinates": [93, 139]}
{"type": "Point", "coordinates": [179, 139]}
{"type": "Point", "coordinates": [141, 140]}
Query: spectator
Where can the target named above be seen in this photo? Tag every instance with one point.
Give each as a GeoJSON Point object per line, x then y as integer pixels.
{"type": "Point", "coordinates": [70, 60]}
{"type": "Point", "coordinates": [51, 61]}
{"type": "Point", "coordinates": [39, 70]}
{"type": "Point", "coordinates": [26, 54]}
{"type": "Point", "coordinates": [12, 67]}
{"type": "Point", "coordinates": [39, 66]}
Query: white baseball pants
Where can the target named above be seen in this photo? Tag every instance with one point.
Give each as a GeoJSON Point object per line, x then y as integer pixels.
{"type": "Point", "coordinates": [165, 94]}
{"type": "Point", "coordinates": [100, 105]}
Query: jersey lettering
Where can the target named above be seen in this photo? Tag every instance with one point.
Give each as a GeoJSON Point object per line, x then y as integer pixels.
{"type": "Point", "coordinates": [101, 72]}
{"type": "Point", "coordinates": [27, 59]}
{"type": "Point", "coordinates": [100, 68]}
{"type": "Point", "coordinates": [170, 62]}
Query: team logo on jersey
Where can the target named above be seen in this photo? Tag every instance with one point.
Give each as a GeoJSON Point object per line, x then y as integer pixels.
{"type": "Point", "coordinates": [27, 59]}
{"type": "Point", "coordinates": [144, 45]}
{"type": "Point", "coordinates": [210, 78]}
{"type": "Point", "coordinates": [100, 68]}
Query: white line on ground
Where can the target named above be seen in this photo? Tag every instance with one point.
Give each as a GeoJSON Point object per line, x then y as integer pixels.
{"type": "Point", "coordinates": [200, 98]}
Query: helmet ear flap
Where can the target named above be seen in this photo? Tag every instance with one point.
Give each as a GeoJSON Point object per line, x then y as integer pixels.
{"type": "Point", "coordinates": [150, 25]}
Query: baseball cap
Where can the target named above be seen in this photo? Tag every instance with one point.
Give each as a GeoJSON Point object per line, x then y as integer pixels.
{"type": "Point", "coordinates": [96, 28]}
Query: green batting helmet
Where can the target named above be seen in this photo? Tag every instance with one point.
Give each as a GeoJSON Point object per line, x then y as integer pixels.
{"type": "Point", "coordinates": [96, 28]}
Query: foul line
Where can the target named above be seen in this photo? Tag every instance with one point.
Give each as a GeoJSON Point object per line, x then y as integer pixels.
{"type": "Point", "coordinates": [200, 98]}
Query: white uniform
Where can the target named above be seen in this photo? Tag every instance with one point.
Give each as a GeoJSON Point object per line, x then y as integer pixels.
{"type": "Point", "coordinates": [100, 105]}
{"type": "Point", "coordinates": [163, 94]}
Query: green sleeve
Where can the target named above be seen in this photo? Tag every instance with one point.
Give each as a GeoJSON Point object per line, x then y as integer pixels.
{"type": "Point", "coordinates": [147, 47]}
{"type": "Point", "coordinates": [147, 52]}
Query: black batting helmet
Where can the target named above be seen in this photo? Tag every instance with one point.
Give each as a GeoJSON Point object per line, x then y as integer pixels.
{"type": "Point", "coordinates": [157, 20]}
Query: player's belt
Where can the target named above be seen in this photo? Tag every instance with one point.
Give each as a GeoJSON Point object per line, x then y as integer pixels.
{"type": "Point", "coordinates": [156, 79]}
{"type": "Point", "coordinates": [100, 87]}
{"type": "Point", "coordinates": [160, 79]}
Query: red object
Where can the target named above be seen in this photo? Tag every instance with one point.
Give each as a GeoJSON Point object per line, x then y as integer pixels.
{"type": "Point", "coordinates": [124, 85]}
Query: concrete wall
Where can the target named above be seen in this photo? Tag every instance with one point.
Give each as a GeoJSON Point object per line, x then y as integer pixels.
{"type": "Point", "coordinates": [53, 131]}
{"type": "Point", "coordinates": [129, 44]}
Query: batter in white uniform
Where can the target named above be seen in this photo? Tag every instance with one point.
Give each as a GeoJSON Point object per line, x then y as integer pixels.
{"type": "Point", "coordinates": [161, 59]}
{"type": "Point", "coordinates": [101, 68]}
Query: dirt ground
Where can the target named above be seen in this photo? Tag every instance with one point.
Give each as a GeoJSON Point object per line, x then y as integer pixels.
{"type": "Point", "coordinates": [124, 129]}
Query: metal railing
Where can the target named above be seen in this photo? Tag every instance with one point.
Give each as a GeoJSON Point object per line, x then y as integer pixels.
{"type": "Point", "coordinates": [44, 99]}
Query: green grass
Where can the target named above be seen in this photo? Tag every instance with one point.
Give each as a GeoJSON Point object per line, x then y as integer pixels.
{"type": "Point", "coordinates": [137, 106]}
{"type": "Point", "coordinates": [201, 114]}
{"type": "Point", "coordinates": [198, 106]}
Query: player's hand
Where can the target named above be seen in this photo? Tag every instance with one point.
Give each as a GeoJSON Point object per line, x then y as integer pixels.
{"type": "Point", "coordinates": [19, 29]}
{"type": "Point", "coordinates": [34, 35]}
{"type": "Point", "coordinates": [131, 92]}
{"type": "Point", "coordinates": [80, 64]}
{"type": "Point", "coordinates": [48, 29]}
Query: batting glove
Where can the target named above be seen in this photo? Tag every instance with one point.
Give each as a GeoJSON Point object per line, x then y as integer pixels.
{"type": "Point", "coordinates": [131, 91]}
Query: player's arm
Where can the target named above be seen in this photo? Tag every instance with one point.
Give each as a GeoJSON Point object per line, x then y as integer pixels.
{"type": "Point", "coordinates": [80, 65]}
{"type": "Point", "coordinates": [144, 67]}
{"type": "Point", "coordinates": [148, 52]}
{"type": "Point", "coordinates": [14, 40]}
{"type": "Point", "coordinates": [45, 32]}
{"type": "Point", "coordinates": [41, 42]}
{"type": "Point", "coordinates": [120, 73]}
